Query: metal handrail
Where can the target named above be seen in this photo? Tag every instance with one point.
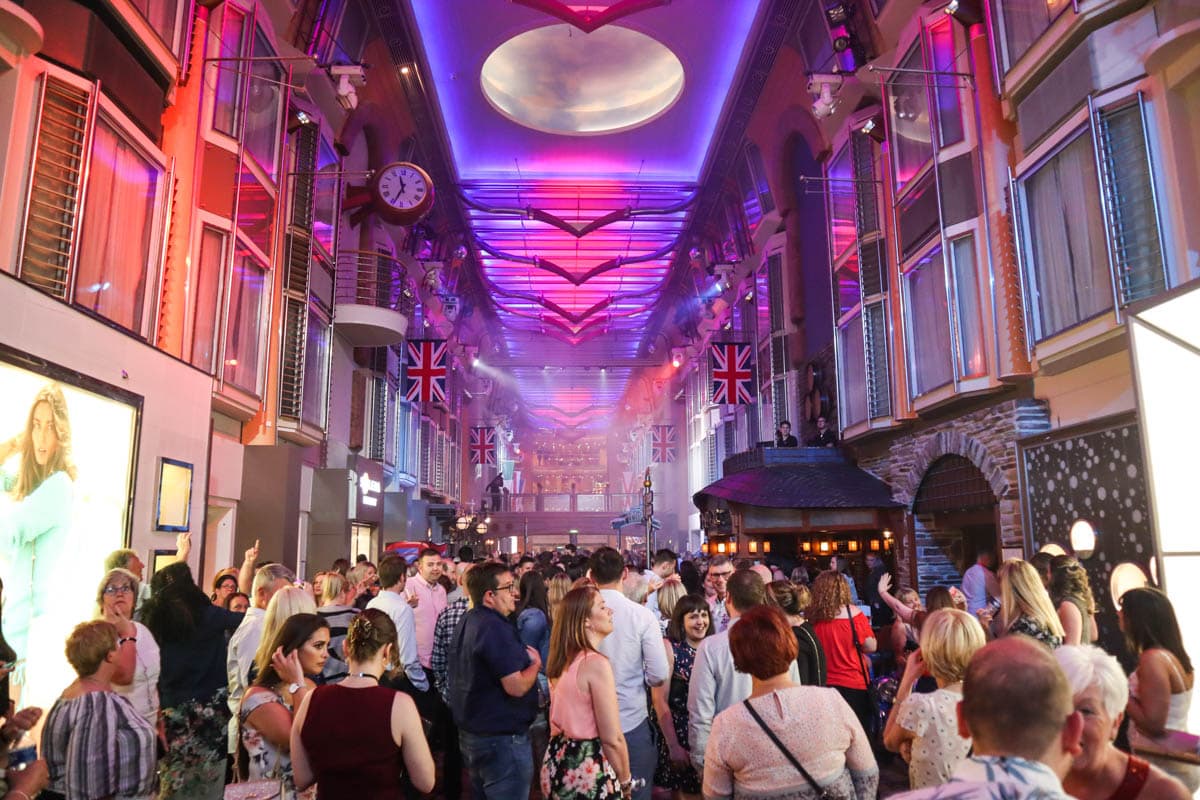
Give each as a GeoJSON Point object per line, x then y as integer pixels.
{"type": "Point", "coordinates": [365, 277]}
{"type": "Point", "coordinates": [614, 503]}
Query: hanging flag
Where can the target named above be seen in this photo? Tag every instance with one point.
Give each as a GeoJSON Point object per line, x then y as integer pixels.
{"type": "Point", "coordinates": [732, 374]}
{"type": "Point", "coordinates": [426, 369]}
{"type": "Point", "coordinates": [662, 444]}
{"type": "Point", "coordinates": [483, 446]}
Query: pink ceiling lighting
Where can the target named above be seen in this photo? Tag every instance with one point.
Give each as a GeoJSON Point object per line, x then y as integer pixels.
{"type": "Point", "coordinates": [577, 151]}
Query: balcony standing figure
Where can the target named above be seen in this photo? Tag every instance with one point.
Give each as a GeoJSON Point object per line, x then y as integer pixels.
{"type": "Point", "coordinates": [825, 436]}
{"type": "Point", "coordinates": [783, 435]}
{"type": "Point", "coordinates": [496, 488]}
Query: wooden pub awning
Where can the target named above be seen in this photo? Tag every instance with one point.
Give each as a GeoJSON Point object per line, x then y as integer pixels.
{"type": "Point", "coordinates": [798, 490]}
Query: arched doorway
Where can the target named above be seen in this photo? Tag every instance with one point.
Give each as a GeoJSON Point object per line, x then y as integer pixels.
{"type": "Point", "coordinates": [954, 516]}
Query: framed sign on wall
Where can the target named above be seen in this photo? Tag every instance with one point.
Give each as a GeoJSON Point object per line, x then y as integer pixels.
{"type": "Point", "coordinates": [174, 495]}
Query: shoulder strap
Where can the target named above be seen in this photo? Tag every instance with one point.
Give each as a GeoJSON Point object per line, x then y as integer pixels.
{"type": "Point", "coordinates": [858, 648]}
{"type": "Point", "coordinates": [787, 753]}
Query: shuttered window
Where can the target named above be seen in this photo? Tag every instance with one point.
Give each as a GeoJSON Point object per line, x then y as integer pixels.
{"type": "Point", "coordinates": [1129, 199]}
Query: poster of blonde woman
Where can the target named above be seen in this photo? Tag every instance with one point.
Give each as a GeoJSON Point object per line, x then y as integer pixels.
{"type": "Point", "coordinates": [66, 455]}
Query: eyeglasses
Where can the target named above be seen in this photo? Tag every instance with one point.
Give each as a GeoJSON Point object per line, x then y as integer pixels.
{"type": "Point", "coordinates": [721, 575]}
{"type": "Point", "coordinates": [512, 587]}
{"type": "Point", "coordinates": [123, 589]}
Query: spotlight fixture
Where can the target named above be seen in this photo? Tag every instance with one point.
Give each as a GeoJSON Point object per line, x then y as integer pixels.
{"type": "Point", "coordinates": [406, 69]}
{"type": "Point", "coordinates": [968, 12]}
{"type": "Point", "coordinates": [676, 357]}
{"type": "Point", "coordinates": [824, 88]}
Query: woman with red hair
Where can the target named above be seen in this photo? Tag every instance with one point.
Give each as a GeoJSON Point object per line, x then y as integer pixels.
{"type": "Point", "coordinates": [786, 740]}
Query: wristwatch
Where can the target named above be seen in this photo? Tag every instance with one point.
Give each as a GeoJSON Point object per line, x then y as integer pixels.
{"type": "Point", "coordinates": [293, 688]}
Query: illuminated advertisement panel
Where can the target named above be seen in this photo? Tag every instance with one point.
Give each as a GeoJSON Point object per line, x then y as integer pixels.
{"type": "Point", "coordinates": [67, 445]}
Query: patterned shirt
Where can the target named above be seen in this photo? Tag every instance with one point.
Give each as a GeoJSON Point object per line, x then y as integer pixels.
{"type": "Point", "coordinates": [1030, 627]}
{"type": "Point", "coordinates": [98, 745]}
{"type": "Point", "coordinates": [995, 778]}
{"type": "Point", "coordinates": [443, 632]}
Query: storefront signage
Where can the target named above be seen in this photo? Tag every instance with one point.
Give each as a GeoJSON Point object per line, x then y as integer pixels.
{"type": "Point", "coordinates": [368, 490]}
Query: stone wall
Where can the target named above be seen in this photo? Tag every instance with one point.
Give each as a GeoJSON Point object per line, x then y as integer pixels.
{"type": "Point", "coordinates": [987, 437]}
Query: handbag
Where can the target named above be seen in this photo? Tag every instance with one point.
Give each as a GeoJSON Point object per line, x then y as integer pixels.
{"type": "Point", "coordinates": [254, 790]}
{"type": "Point", "coordinates": [822, 793]}
{"type": "Point", "coordinates": [872, 690]}
{"type": "Point", "coordinates": [250, 790]}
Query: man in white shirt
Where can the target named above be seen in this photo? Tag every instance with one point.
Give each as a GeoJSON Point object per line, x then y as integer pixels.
{"type": "Point", "coordinates": [638, 657]}
{"type": "Point", "coordinates": [239, 655]}
{"type": "Point", "coordinates": [979, 582]}
{"type": "Point", "coordinates": [715, 684]}
{"type": "Point", "coordinates": [1018, 712]}
{"type": "Point", "coordinates": [391, 600]}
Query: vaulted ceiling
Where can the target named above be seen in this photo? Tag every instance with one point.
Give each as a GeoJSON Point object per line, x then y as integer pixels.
{"type": "Point", "coordinates": [579, 135]}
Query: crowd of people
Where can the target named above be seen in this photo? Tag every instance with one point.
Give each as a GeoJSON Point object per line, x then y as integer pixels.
{"type": "Point", "coordinates": [576, 675]}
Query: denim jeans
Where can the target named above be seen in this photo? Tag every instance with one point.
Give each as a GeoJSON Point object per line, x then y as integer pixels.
{"type": "Point", "coordinates": [643, 757]}
{"type": "Point", "coordinates": [501, 767]}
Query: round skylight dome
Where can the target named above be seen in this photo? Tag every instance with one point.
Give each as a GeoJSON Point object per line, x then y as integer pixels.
{"type": "Point", "coordinates": [557, 79]}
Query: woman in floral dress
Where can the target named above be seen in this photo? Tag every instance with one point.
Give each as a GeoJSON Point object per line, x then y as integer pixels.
{"type": "Point", "coordinates": [587, 756]}
{"type": "Point", "coordinates": [689, 625]}
{"type": "Point", "coordinates": [298, 650]}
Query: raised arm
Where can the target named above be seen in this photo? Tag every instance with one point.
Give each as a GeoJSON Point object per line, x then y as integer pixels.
{"type": "Point", "coordinates": [899, 609]}
{"type": "Point", "coordinates": [246, 573]}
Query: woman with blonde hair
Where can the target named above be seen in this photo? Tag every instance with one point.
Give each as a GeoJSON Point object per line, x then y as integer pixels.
{"type": "Point", "coordinates": [925, 726]}
{"type": "Point", "coordinates": [587, 756]}
{"type": "Point", "coordinates": [556, 589]}
{"type": "Point", "coordinates": [669, 594]}
{"type": "Point", "coordinates": [337, 609]}
{"type": "Point", "coordinates": [846, 637]}
{"type": "Point", "coordinates": [1072, 595]}
{"type": "Point", "coordinates": [1025, 606]}
{"type": "Point", "coordinates": [287, 602]}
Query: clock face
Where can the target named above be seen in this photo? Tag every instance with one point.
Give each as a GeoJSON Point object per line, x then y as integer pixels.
{"type": "Point", "coordinates": [403, 186]}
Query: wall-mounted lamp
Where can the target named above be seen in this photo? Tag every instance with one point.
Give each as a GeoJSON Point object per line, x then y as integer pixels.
{"type": "Point", "coordinates": [825, 547]}
{"type": "Point", "coordinates": [753, 546]}
{"type": "Point", "coordinates": [806, 547]}
{"type": "Point", "coordinates": [1083, 539]}
{"type": "Point", "coordinates": [874, 128]}
{"type": "Point", "coordinates": [875, 545]}
{"type": "Point", "coordinates": [721, 547]}
{"type": "Point", "coordinates": [852, 545]}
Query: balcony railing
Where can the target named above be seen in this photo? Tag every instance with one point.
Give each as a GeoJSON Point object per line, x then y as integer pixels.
{"type": "Point", "coordinates": [374, 298]}
{"type": "Point", "coordinates": [567, 502]}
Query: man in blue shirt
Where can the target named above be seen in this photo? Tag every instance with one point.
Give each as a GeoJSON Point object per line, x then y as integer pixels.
{"type": "Point", "coordinates": [492, 695]}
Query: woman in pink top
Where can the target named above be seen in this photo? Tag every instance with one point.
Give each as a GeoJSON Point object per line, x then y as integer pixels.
{"type": "Point", "coordinates": [587, 756]}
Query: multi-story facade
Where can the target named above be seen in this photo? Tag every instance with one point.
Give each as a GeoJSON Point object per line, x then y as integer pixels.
{"type": "Point", "coordinates": [175, 183]}
{"type": "Point", "coordinates": [1002, 193]}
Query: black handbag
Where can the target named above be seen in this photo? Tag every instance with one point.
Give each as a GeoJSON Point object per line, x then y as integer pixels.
{"type": "Point", "coordinates": [872, 690]}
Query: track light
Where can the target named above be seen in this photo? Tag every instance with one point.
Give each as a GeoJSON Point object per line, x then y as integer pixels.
{"type": "Point", "coordinates": [873, 127]}
{"type": "Point", "coordinates": [824, 88]}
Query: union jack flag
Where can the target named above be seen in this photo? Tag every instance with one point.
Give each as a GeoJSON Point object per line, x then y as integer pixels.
{"type": "Point", "coordinates": [732, 373]}
{"type": "Point", "coordinates": [483, 445]}
{"type": "Point", "coordinates": [662, 444]}
{"type": "Point", "coordinates": [426, 368]}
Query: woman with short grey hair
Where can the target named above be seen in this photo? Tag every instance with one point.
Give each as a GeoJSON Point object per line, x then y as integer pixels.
{"type": "Point", "coordinates": [1101, 771]}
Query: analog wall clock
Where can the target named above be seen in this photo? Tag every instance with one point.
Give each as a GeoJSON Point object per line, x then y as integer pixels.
{"type": "Point", "coordinates": [402, 192]}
